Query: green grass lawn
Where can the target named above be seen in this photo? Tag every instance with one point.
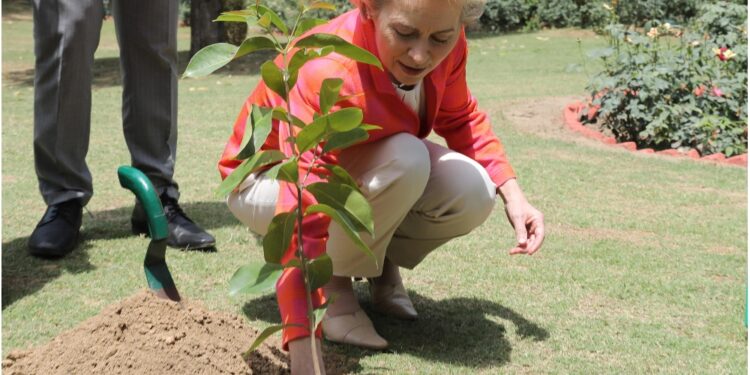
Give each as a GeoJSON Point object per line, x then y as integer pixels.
{"type": "Point", "coordinates": [643, 269]}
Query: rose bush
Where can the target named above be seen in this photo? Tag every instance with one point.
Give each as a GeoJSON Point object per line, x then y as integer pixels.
{"type": "Point", "coordinates": [677, 87]}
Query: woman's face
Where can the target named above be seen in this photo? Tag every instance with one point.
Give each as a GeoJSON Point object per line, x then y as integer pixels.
{"type": "Point", "coordinates": [414, 36]}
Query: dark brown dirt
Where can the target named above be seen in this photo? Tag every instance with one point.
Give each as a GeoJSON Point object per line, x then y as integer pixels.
{"type": "Point", "coordinates": [147, 335]}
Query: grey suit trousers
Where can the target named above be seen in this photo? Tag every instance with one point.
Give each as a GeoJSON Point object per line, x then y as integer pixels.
{"type": "Point", "coordinates": [66, 35]}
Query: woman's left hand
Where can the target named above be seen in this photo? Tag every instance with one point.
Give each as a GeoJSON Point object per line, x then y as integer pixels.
{"type": "Point", "coordinates": [527, 221]}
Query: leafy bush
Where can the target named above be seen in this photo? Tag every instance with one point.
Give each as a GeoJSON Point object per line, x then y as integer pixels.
{"type": "Point", "coordinates": [678, 87]}
{"type": "Point", "coordinates": [506, 15]}
{"type": "Point", "coordinates": [511, 15]}
{"type": "Point", "coordinates": [640, 12]}
{"type": "Point", "coordinates": [287, 9]}
{"type": "Point", "coordinates": [558, 13]}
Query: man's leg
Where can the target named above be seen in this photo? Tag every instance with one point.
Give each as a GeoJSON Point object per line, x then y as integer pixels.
{"type": "Point", "coordinates": [147, 33]}
{"type": "Point", "coordinates": [66, 34]}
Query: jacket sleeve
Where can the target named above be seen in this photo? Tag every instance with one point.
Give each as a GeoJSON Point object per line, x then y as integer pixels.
{"type": "Point", "coordinates": [465, 128]}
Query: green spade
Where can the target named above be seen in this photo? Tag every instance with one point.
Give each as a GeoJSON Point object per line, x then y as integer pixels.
{"type": "Point", "coordinates": [157, 274]}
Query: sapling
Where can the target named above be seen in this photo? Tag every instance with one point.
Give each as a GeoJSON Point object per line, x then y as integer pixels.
{"type": "Point", "coordinates": [337, 195]}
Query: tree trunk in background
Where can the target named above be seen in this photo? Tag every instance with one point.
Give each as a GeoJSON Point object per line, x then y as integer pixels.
{"type": "Point", "coordinates": [203, 31]}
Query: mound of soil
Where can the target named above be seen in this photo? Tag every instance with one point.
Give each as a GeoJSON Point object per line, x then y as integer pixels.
{"type": "Point", "coordinates": [147, 335]}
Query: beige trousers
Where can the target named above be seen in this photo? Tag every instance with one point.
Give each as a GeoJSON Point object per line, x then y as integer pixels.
{"type": "Point", "coordinates": [422, 195]}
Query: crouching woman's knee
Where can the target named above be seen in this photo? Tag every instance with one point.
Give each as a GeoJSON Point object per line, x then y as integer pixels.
{"type": "Point", "coordinates": [402, 165]}
{"type": "Point", "coordinates": [471, 198]}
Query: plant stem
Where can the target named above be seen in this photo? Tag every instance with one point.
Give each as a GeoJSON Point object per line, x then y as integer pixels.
{"type": "Point", "coordinates": [300, 241]}
{"type": "Point", "coordinates": [310, 311]}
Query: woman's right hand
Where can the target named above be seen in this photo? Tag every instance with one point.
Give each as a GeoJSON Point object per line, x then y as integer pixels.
{"type": "Point", "coordinates": [301, 356]}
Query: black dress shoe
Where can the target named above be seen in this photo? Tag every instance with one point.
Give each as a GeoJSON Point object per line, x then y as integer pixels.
{"type": "Point", "coordinates": [57, 233]}
{"type": "Point", "coordinates": [183, 232]}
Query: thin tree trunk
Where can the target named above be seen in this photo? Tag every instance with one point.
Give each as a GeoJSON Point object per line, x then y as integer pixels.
{"type": "Point", "coordinates": [203, 31]}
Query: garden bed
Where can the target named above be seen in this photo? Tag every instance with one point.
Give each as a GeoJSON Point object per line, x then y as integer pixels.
{"type": "Point", "coordinates": [572, 114]}
{"type": "Point", "coordinates": [147, 335]}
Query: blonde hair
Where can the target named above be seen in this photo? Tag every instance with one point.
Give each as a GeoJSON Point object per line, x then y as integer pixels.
{"type": "Point", "coordinates": [470, 12]}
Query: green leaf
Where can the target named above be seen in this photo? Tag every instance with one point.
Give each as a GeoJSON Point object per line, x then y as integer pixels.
{"type": "Point", "coordinates": [293, 263]}
{"type": "Point", "coordinates": [287, 171]}
{"type": "Point", "coordinates": [260, 159]}
{"type": "Point", "coordinates": [307, 24]}
{"type": "Point", "coordinates": [321, 5]}
{"type": "Point", "coordinates": [249, 16]}
{"type": "Point", "coordinates": [273, 78]}
{"type": "Point", "coordinates": [341, 47]}
{"type": "Point", "coordinates": [280, 114]}
{"type": "Point", "coordinates": [209, 59]}
{"type": "Point", "coordinates": [265, 21]}
{"type": "Point", "coordinates": [255, 278]}
{"type": "Point", "coordinates": [278, 237]}
{"type": "Point", "coordinates": [259, 124]}
{"type": "Point", "coordinates": [348, 201]}
{"type": "Point", "coordinates": [267, 333]}
{"type": "Point", "coordinates": [319, 314]}
{"type": "Point", "coordinates": [256, 43]}
{"type": "Point", "coordinates": [329, 93]}
{"type": "Point", "coordinates": [345, 223]}
{"type": "Point", "coordinates": [320, 271]}
{"type": "Point", "coordinates": [250, 12]}
{"type": "Point", "coordinates": [340, 176]}
{"type": "Point", "coordinates": [312, 134]}
{"type": "Point", "coordinates": [368, 127]}
{"type": "Point", "coordinates": [302, 56]}
{"type": "Point", "coordinates": [273, 18]}
{"type": "Point", "coordinates": [342, 120]}
{"type": "Point", "coordinates": [215, 56]}
{"type": "Point", "coordinates": [343, 140]}
{"type": "Point", "coordinates": [229, 17]}
{"type": "Point", "coordinates": [345, 119]}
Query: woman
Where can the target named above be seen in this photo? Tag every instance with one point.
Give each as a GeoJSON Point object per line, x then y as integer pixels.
{"type": "Point", "coordinates": [422, 194]}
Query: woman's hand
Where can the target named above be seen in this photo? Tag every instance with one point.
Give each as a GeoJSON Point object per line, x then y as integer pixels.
{"type": "Point", "coordinates": [301, 357]}
{"type": "Point", "coordinates": [527, 221]}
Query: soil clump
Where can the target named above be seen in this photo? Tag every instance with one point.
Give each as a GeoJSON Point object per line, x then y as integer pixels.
{"type": "Point", "coordinates": [147, 335]}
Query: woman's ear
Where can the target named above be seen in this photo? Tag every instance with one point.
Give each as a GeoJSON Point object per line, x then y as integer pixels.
{"type": "Point", "coordinates": [364, 9]}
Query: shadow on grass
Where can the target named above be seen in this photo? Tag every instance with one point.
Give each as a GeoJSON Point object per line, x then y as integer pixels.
{"type": "Point", "coordinates": [16, 9]}
{"type": "Point", "coordinates": [115, 223]}
{"type": "Point", "coordinates": [107, 70]}
{"type": "Point", "coordinates": [463, 331]}
{"type": "Point", "coordinates": [23, 274]}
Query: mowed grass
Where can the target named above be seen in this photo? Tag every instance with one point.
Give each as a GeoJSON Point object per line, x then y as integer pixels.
{"type": "Point", "coordinates": [643, 269]}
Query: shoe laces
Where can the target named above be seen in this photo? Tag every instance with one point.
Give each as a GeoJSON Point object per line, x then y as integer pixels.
{"type": "Point", "coordinates": [172, 209]}
{"type": "Point", "coordinates": [67, 210]}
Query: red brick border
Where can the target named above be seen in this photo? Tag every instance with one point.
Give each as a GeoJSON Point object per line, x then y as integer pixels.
{"type": "Point", "coordinates": [571, 114]}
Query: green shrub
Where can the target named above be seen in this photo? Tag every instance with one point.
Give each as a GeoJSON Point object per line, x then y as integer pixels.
{"type": "Point", "coordinates": [678, 87]}
{"type": "Point", "coordinates": [569, 13]}
{"type": "Point", "coordinates": [511, 15]}
{"type": "Point", "coordinates": [506, 15]}
{"type": "Point", "coordinates": [287, 9]}
{"type": "Point", "coordinates": [558, 13]}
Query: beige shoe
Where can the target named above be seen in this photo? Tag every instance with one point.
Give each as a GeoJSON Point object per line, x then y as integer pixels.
{"type": "Point", "coordinates": [353, 329]}
{"type": "Point", "coordinates": [392, 300]}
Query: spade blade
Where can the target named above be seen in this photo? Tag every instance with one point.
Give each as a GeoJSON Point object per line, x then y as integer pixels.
{"type": "Point", "coordinates": [157, 273]}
